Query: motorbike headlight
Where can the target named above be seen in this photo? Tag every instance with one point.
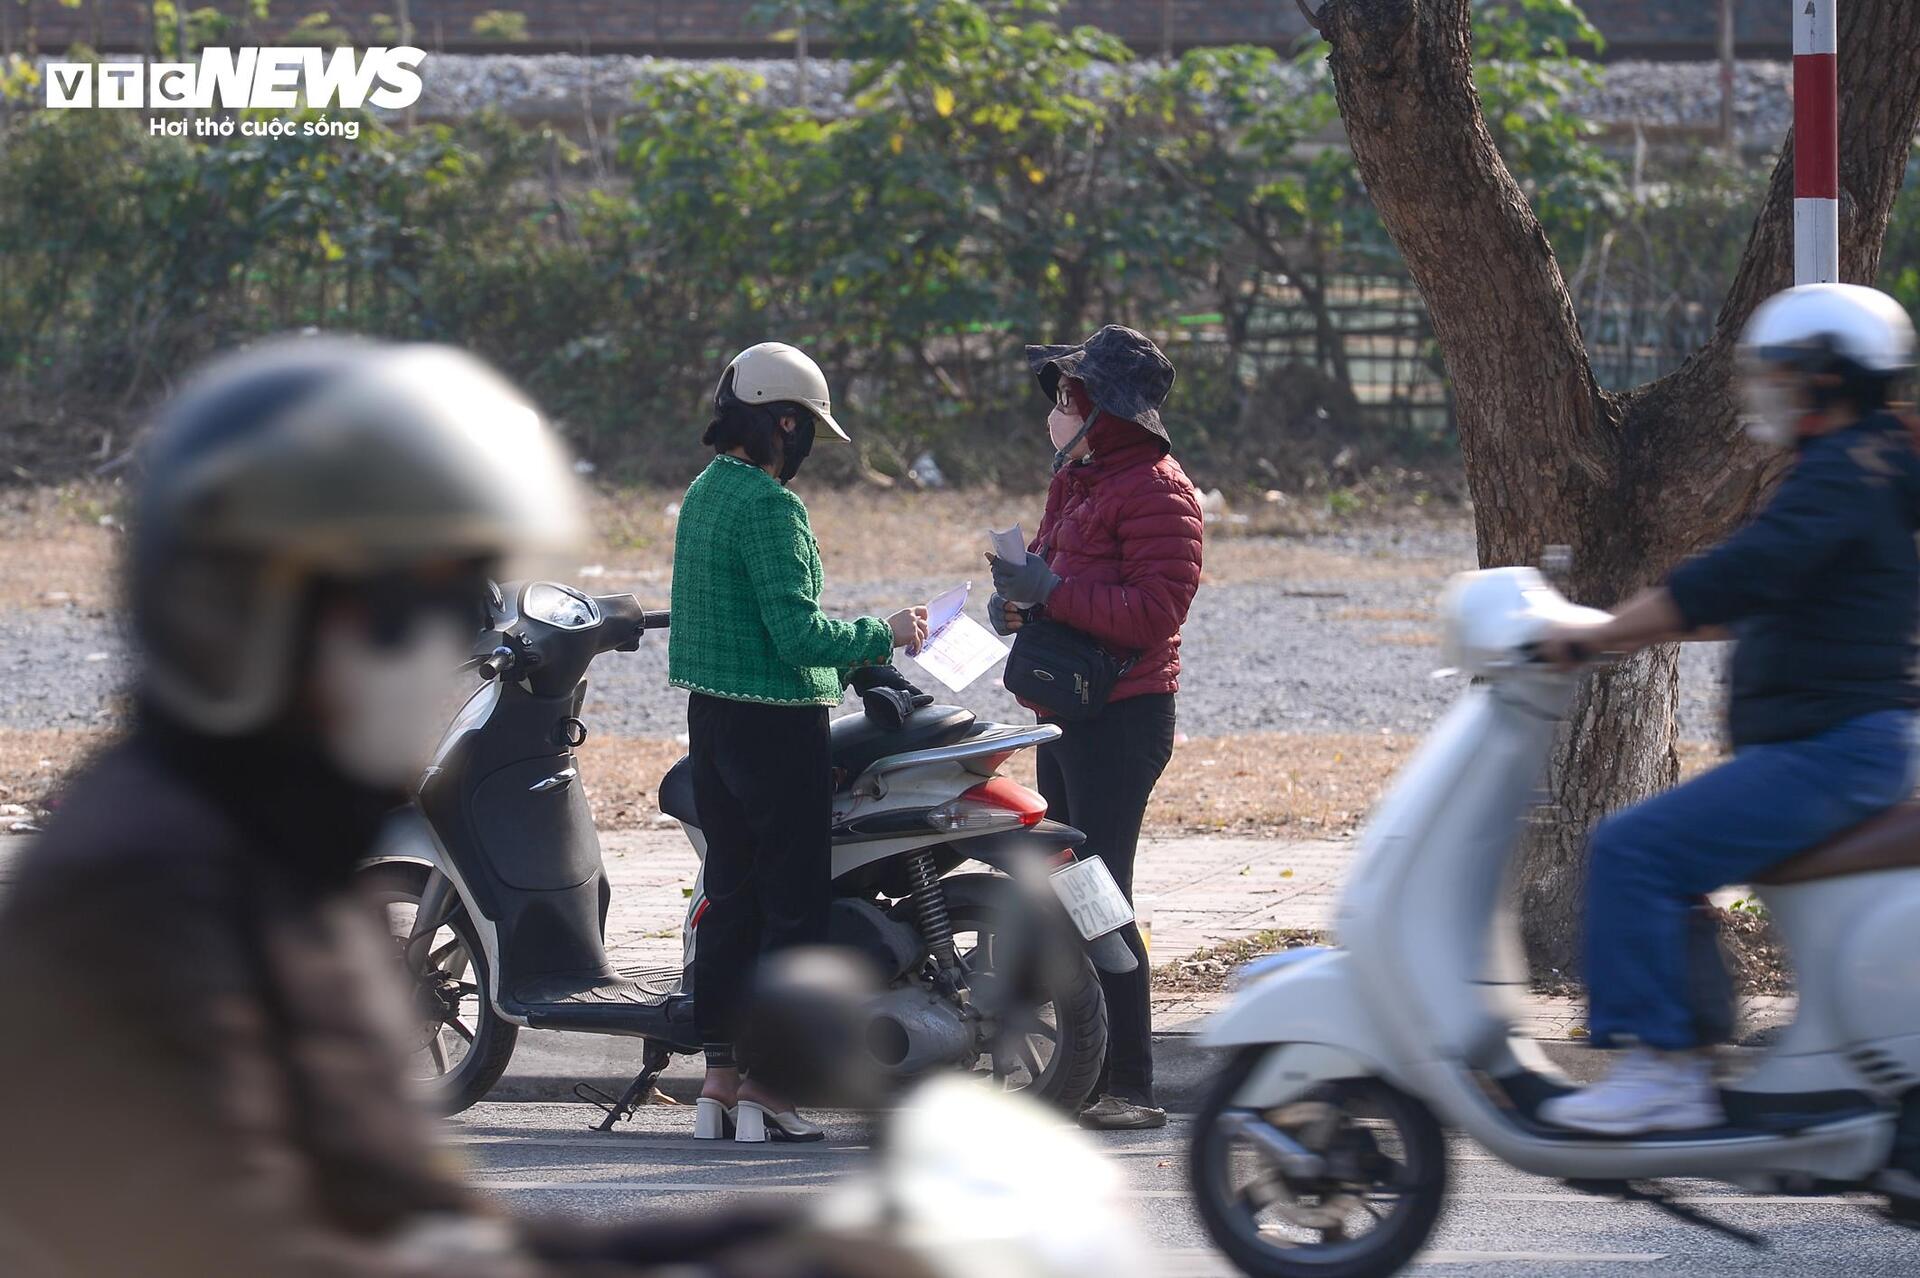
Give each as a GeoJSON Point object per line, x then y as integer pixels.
{"type": "Point", "coordinates": [559, 606]}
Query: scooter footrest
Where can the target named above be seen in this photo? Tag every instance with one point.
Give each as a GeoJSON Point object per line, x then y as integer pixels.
{"type": "Point", "coordinates": [1749, 1114]}
{"type": "Point", "coordinates": [611, 991]}
{"type": "Point", "coordinates": [665, 980]}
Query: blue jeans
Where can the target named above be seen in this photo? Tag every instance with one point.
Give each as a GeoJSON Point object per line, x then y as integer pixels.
{"type": "Point", "coordinates": [1649, 862]}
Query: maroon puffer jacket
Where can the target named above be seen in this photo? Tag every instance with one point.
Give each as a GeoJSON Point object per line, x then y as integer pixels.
{"type": "Point", "coordinates": [1122, 532]}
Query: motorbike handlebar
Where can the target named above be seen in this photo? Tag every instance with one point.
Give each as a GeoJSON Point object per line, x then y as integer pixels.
{"type": "Point", "coordinates": [660, 620]}
{"type": "Point", "coordinates": [495, 664]}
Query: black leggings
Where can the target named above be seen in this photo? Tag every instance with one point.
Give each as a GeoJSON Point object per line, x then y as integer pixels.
{"type": "Point", "coordinates": [763, 788]}
{"type": "Point", "coordinates": [1098, 778]}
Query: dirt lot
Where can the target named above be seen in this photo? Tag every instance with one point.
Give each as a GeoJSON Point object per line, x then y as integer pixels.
{"type": "Point", "coordinates": [1306, 656]}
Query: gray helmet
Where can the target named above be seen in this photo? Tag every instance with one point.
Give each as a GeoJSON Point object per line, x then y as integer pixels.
{"type": "Point", "coordinates": [321, 459]}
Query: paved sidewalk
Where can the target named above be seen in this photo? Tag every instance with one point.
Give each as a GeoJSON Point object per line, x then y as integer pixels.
{"type": "Point", "coordinates": [1202, 890]}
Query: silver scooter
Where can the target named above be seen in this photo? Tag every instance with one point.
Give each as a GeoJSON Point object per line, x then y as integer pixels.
{"type": "Point", "coordinates": [1320, 1151]}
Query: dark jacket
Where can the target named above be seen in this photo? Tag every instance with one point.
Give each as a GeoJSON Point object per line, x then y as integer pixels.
{"type": "Point", "coordinates": [1122, 531]}
{"type": "Point", "coordinates": [1821, 590]}
{"type": "Point", "coordinates": [201, 1064]}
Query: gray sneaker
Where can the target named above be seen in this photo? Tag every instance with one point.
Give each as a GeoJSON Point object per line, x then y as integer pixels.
{"type": "Point", "coordinates": [1112, 1114]}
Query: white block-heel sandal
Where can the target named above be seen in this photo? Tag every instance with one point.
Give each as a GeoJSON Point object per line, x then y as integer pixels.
{"type": "Point", "coordinates": [711, 1119]}
{"type": "Point", "coordinates": [754, 1123]}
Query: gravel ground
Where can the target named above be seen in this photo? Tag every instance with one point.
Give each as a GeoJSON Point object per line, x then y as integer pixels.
{"type": "Point", "coordinates": [1295, 656]}
{"type": "Point", "coordinates": [1654, 94]}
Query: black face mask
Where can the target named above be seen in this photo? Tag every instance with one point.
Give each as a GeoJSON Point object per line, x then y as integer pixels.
{"type": "Point", "coordinates": [794, 447]}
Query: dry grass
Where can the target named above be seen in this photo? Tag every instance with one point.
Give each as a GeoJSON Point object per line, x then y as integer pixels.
{"type": "Point", "coordinates": [59, 546]}
{"type": "Point", "coordinates": [61, 542]}
{"type": "Point", "coordinates": [33, 763]}
{"type": "Point", "coordinates": [1208, 971]}
{"type": "Point", "coordinates": [1293, 785]}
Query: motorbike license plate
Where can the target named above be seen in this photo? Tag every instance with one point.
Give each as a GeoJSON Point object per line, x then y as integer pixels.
{"type": "Point", "coordinates": [1094, 901]}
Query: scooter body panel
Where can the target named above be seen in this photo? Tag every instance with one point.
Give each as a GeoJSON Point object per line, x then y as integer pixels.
{"type": "Point", "coordinates": [522, 847]}
{"type": "Point", "coordinates": [1857, 968]}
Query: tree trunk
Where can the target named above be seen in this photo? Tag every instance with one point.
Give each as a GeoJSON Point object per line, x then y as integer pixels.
{"type": "Point", "coordinates": [1632, 482]}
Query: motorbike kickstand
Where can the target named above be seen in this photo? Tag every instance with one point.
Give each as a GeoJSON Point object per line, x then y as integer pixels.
{"type": "Point", "coordinates": [619, 1111]}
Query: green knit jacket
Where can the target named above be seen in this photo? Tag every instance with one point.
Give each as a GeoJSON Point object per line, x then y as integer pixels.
{"type": "Point", "coordinates": [747, 623]}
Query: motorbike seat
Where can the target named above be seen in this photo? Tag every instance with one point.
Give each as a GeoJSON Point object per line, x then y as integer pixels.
{"type": "Point", "coordinates": [857, 743]}
{"type": "Point", "coordinates": [1890, 841]}
{"type": "Point", "coordinates": [676, 793]}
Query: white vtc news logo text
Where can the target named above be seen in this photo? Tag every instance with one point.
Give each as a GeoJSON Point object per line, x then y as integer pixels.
{"type": "Point", "coordinates": [273, 76]}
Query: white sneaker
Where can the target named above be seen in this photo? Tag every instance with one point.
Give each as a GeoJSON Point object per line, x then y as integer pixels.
{"type": "Point", "coordinates": [1647, 1091]}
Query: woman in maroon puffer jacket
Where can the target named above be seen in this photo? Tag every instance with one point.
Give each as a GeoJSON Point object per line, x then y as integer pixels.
{"type": "Point", "coordinates": [1117, 557]}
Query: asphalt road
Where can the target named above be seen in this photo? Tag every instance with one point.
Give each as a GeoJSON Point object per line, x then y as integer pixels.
{"type": "Point", "coordinates": [1499, 1224]}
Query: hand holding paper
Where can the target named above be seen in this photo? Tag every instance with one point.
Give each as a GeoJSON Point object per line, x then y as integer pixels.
{"type": "Point", "coordinates": [958, 649]}
{"type": "Point", "coordinates": [1026, 578]}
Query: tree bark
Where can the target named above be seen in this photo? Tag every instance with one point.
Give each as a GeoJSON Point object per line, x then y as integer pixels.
{"type": "Point", "coordinates": [1632, 482]}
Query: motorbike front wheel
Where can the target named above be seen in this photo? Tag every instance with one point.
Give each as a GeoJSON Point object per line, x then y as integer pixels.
{"type": "Point", "coordinates": [1372, 1207]}
{"type": "Point", "coordinates": [464, 1045]}
{"type": "Point", "coordinates": [1052, 1031]}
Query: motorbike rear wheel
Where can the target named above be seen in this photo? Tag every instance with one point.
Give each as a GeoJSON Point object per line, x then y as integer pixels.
{"type": "Point", "coordinates": [1053, 1034]}
{"type": "Point", "coordinates": [1365, 1217]}
{"type": "Point", "coordinates": [464, 1045]}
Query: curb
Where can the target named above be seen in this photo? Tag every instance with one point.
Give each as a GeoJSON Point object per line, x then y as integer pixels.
{"type": "Point", "coordinates": [547, 1066]}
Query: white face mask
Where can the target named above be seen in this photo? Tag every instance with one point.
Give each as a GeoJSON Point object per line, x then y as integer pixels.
{"type": "Point", "coordinates": [383, 706]}
{"type": "Point", "coordinates": [1062, 426]}
{"type": "Point", "coordinates": [1772, 410]}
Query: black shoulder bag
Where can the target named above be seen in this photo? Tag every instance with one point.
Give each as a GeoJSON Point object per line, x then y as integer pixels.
{"type": "Point", "coordinates": [1062, 671]}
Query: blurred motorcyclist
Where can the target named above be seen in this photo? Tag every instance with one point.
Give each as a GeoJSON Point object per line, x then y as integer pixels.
{"type": "Point", "coordinates": [203, 1066]}
{"type": "Point", "coordinates": [1821, 593]}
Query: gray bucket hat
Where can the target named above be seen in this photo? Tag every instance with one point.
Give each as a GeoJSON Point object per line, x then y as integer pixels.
{"type": "Point", "coordinates": [1124, 372]}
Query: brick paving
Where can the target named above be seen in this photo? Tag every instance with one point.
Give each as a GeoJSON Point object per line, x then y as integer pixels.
{"type": "Point", "coordinates": [1203, 890]}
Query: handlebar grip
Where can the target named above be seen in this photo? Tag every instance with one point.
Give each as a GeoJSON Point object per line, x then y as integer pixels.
{"type": "Point", "coordinates": [656, 620]}
{"type": "Point", "coordinates": [495, 663]}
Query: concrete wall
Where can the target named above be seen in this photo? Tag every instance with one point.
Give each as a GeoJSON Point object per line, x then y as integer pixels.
{"type": "Point", "coordinates": [1636, 28]}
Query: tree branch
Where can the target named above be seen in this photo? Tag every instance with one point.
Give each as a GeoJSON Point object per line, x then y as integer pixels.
{"type": "Point", "coordinates": [1689, 414]}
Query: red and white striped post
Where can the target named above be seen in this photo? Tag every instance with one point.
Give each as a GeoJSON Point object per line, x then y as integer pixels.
{"type": "Point", "coordinates": [1816, 143]}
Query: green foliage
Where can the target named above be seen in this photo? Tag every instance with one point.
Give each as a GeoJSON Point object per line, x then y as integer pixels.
{"type": "Point", "coordinates": [1526, 72]}
{"type": "Point", "coordinates": [502, 25]}
{"type": "Point", "coordinates": [319, 29]}
{"type": "Point", "coordinates": [1003, 179]}
{"type": "Point", "coordinates": [1900, 257]}
{"type": "Point", "coordinates": [203, 26]}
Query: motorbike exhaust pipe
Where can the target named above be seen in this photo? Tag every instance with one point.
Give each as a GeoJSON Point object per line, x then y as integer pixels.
{"type": "Point", "coordinates": [912, 1032]}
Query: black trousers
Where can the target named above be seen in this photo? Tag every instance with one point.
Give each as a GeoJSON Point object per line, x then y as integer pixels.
{"type": "Point", "coordinates": [763, 788]}
{"type": "Point", "coordinates": [1097, 778]}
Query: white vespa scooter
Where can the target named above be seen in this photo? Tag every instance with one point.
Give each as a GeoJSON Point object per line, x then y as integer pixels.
{"type": "Point", "coordinates": [1320, 1151]}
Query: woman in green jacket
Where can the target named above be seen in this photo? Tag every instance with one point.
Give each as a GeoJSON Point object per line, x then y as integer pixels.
{"type": "Point", "coordinates": [763, 664]}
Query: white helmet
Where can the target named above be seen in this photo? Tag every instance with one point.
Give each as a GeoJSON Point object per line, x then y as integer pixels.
{"type": "Point", "coordinates": [1849, 330]}
{"type": "Point", "coordinates": [771, 372]}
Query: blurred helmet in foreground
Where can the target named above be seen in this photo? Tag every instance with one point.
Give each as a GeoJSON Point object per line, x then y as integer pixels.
{"type": "Point", "coordinates": [313, 462]}
{"type": "Point", "coordinates": [1856, 341]}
